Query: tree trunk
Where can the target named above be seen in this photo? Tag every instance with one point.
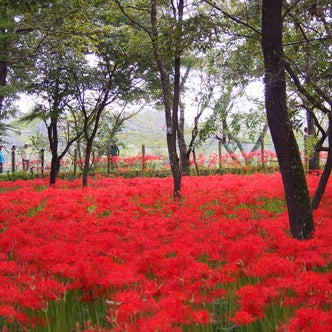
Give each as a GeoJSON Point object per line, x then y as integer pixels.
{"type": "Point", "coordinates": [326, 172]}
{"type": "Point", "coordinates": [184, 151]}
{"type": "Point", "coordinates": [3, 76]}
{"type": "Point", "coordinates": [184, 159]}
{"type": "Point", "coordinates": [3, 64]}
{"type": "Point", "coordinates": [314, 157]}
{"type": "Point", "coordinates": [176, 171]}
{"type": "Point", "coordinates": [293, 176]}
{"type": "Point", "coordinates": [53, 140]}
{"type": "Point", "coordinates": [170, 114]}
{"type": "Point", "coordinates": [90, 131]}
{"type": "Point", "coordinates": [86, 166]}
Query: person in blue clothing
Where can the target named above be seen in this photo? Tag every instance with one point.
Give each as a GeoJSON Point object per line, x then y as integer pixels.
{"type": "Point", "coordinates": [1, 160]}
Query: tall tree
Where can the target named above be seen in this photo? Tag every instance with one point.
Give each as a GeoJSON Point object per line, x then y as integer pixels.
{"type": "Point", "coordinates": [12, 56]}
{"type": "Point", "coordinates": [8, 42]}
{"type": "Point", "coordinates": [116, 76]}
{"type": "Point", "coordinates": [171, 103]}
{"type": "Point", "coordinates": [173, 28]}
{"type": "Point", "coordinates": [296, 191]}
{"type": "Point", "coordinates": [54, 88]}
{"type": "Point", "coordinates": [26, 26]}
{"type": "Point", "coordinates": [65, 35]}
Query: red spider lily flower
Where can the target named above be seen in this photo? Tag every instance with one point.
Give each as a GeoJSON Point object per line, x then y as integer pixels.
{"type": "Point", "coordinates": [202, 317]}
{"type": "Point", "coordinates": [242, 318]}
{"type": "Point", "coordinates": [159, 322]}
{"type": "Point", "coordinates": [131, 305]}
{"type": "Point", "coordinates": [8, 312]}
{"type": "Point", "coordinates": [310, 320]}
{"type": "Point", "coordinates": [254, 299]}
{"type": "Point", "coordinates": [127, 240]}
{"type": "Point", "coordinates": [311, 288]}
{"type": "Point", "coordinates": [271, 264]}
{"type": "Point", "coordinates": [174, 310]}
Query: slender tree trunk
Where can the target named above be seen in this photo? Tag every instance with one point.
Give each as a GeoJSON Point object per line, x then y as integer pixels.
{"type": "Point", "coordinates": [171, 115]}
{"type": "Point", "coordinates": [293, 176]}
{"type": "Point", "coordinates": [184, 159]}
{"type": "Point", "coordinates": [195, 162]}
{"type": "Point", "coordinates": [185, 149]}
{"type": "Point", "coordinates": [86, 165]}
{"type": "Point", "coordinates": [184, 153]}
{"type": "Point", "coordinates": [3, 76]}
{"type": "Point", "coordinates": [314, 157]}
{"type": "Point", "coordinates": [3, 64]}
{"type": "Point", "coordinates": [326, 172]}
{"type": "Point", "coordinates": [176, 171]}
{"type": "Point", "coordinates": [53, 140]}
{"type": "Point", "coordinates": [90, 132]}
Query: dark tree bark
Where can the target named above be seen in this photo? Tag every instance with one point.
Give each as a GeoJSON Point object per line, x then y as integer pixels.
{"type": "Point", "coordinates": [185, 150]}
{"type": "Point", "coordinates": [3, 65]}
{"type": "Point", "coordinates": [3, 76]}
{"type": "Point", "coordinates": [293, 176]}
{"type": "Point", "coordinates": [314, 157]}
{"type": "Point", "coordinates": [86, 165]}
{"type": "Point", "coordinates": [53, 136]}
{"type": "Point", "coordinates": [91, 125]}
{"type": "Point", "coordinates": [171, 105]}
{"type": "Point", "coordinates": [326, 172]}
{"type": "Point", "coordinates": [53, 140]}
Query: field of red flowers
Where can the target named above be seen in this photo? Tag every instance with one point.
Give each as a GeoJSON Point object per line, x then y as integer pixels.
{"type": "Point", "coordinates": [121, 255]}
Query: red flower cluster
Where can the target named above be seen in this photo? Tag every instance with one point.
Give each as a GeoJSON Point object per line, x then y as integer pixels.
{"type": "Point", "coordinates": [159, 264]}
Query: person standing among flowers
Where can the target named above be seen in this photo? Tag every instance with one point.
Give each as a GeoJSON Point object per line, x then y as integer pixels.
{"type": "Point", "coordinates": [1, 159]}
{"type": "Point", "coordinates": [25, 157]}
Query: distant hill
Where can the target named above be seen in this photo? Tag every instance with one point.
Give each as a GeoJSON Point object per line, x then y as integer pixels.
{"type": "Point", "coordinates": [146, 128]}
